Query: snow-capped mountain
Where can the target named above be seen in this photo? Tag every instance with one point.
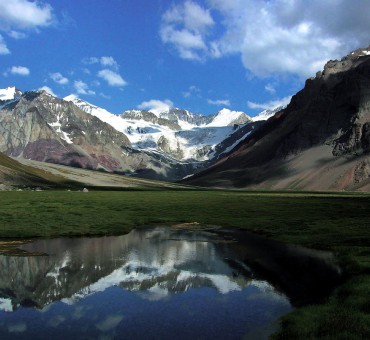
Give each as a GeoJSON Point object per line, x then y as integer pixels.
{"type": "Point", "coordinates": [183, 135]}
{"type": "Point", "coordinates": [226, 117]}
{"type": "Point", "coordinates": [159, 145]}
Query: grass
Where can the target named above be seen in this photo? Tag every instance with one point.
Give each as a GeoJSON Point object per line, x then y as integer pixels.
{"type": "Point", "coordinates": [336, 222]}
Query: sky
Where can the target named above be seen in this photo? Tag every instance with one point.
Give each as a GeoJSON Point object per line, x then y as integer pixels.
{"type": "Point", "coordinates": [199, 55]}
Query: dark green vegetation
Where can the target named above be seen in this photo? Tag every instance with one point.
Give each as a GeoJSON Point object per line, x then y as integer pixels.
{"type": "Point", "coordinates": [336, 222]}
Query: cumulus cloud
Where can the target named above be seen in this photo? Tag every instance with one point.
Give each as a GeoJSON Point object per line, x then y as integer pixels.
{"type": "Point", "coordinates": [19, 70]}
{"type": "Point", "coordinates": [58, 78]}
{"type": "Point", "coordinates": [219, 102]}
{"type": "Point", "coordinates": [185, 28]}
{"type": "Point", "coordinates": [112, 78]}
{"type": "Point", "coordinates": [109, 61]}
{"type": "Point", "coordinates": [23, 14]}
{"type": "Point", "coordinates": [3, 48]}
{"type": "Point", "coordinates": [272, 104]}
{"type": "Point", "coordinates": [156, 106]}
{"type": "Point", "coordinates": [272, 37]}
{"type": "Point", "coordinates": [82, 88]}
{"type": "Point", "coordinates": [48, 90]}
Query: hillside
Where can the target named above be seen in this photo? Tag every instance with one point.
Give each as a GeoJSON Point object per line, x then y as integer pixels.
{"type": "Point", "coordinates": [28, 174]}
{"type": "Point", "coordinates": [15, 174]}
{"type": "Point", "coordinates": [320, 141]}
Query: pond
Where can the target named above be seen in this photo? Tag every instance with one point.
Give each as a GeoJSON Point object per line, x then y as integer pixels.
{"type": "Point", "coordinates": [158, 283]}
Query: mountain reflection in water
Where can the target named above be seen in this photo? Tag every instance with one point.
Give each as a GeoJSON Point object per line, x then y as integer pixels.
{"type": "Point", "coordinates": [152, 283]}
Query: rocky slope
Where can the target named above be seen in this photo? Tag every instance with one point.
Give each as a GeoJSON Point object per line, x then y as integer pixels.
{"type": "Point", "coordinates": [320, 141]}
{"type": "Point", "coordinates": [14, 175]}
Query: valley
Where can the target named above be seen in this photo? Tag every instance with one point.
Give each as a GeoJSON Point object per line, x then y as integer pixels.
{"type": "Point", "coordinates": [299, 174]}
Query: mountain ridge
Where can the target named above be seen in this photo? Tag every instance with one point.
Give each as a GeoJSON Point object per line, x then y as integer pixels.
{"type": "Point", "coordinates": [38, 126]}
{"type": "Point", "coordinates": [324, 130]}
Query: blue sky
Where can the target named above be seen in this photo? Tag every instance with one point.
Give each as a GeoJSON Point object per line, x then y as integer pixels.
{"type": "Point", "coordinates": [201, 55]}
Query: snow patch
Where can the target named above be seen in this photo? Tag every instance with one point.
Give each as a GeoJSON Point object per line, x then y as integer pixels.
{"type": "Point", "coordinates": [57, 128]}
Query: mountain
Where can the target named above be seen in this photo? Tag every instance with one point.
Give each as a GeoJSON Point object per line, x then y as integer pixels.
{"type": "Point", "coordinates": [167, 146]}
{"type": "Point", "coordinates": [320, 141]}
{"type": "Point", "coordinates": [41, 127]}
{"type": "Point", "coordinates": [176, 133]}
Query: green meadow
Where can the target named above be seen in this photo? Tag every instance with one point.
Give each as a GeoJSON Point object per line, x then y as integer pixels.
{"type": "Point", "coordinates": [338, 222]}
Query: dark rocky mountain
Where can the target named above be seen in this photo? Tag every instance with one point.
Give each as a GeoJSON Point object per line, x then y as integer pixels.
{"type": "Point", "coordinates": [320, 141]}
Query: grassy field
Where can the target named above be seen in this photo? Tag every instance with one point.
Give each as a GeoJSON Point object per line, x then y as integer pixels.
{"type": "Point", "coordinates": [336, 222]}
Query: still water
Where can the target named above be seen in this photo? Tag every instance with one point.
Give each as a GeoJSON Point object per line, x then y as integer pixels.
{"type": "Point", "coordinates": [158, 283]}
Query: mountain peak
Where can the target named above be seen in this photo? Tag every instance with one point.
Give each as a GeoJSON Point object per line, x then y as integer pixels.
{"type": "Point", "coordinates": [227, 117]}
{"type": "Point", "coordinates": [71, 98]}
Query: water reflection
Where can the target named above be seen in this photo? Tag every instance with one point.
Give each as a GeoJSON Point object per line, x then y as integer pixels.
{"type": "Point", "coordinates": [153, 282]}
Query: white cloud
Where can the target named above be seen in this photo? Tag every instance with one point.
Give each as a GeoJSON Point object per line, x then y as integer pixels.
{"type": "Point", "coordinates": [270, 88]}
{"type": "Point", "coordinates": [58, 78]}
{"type": "Point", "coordinates": [295, 37]}
{"type": "Point", "coordinates": [90, 60]}
{"type": "Point", "coordinates": [19, 70]}
{"type": "Point", "coordinates": [190, 15]}
{"type": "Point", "coordinates": [105, 61]}
{"type": "Point", "coordinates": [272, 104]}
{"type": "Point", "coordinates": [219, 102]}
{"type": "Point", "coordinates": [185, 27]}
{"type": "Point", "coordinates": [48, 90]}
{"type": "Point", "coordinates": [82, 88]}
{"type": "Point", "coordinates": [192, 91]}
{"type": "Point", "coordinates": [108, 61]}
{"type": "Point", "coordinates": [23, 14]}
{"type": "Point", "coordinates": [105, 96]}
{"type": "Point", "coordinates": [272, 37]}
{"type": "Point", "coordinates": [16, 35]}
{"type": "Point", "coordinates": [112, 78]}
{"type": "Point", "coordinates": [3, 48]}
{"type": "Point", "coordinates": [156, 106]}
